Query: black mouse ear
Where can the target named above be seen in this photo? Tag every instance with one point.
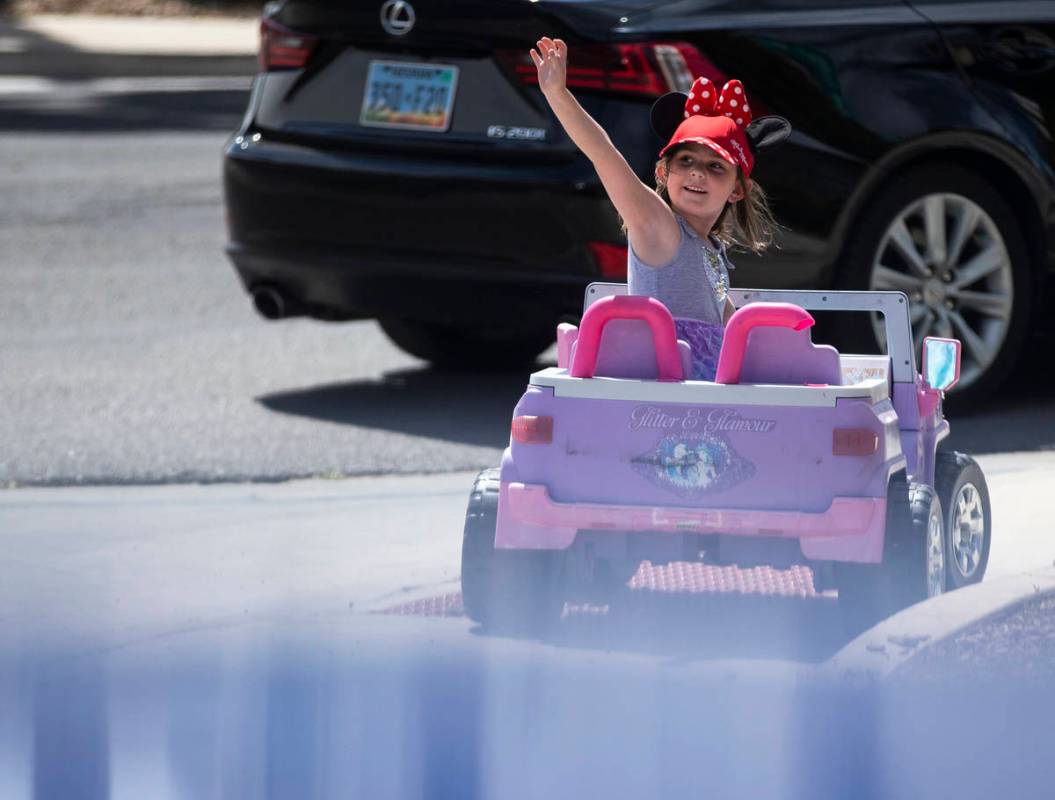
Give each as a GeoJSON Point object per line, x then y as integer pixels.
{"type": "Point", "coordinates": [767, 131]}
{"type": "Point", "coordinates": [667, 114]}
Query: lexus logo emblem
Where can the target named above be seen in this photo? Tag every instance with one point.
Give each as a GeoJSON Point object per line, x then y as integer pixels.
{"type": "Point", "coordinates": [397, 17]}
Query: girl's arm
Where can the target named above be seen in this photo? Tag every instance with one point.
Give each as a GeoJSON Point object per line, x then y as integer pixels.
{"type": "Point", "coordinates": [649, 220]}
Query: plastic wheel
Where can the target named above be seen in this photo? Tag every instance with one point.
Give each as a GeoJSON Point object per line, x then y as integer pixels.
{"type": "Point", "coordinates": [916, 557]}
{"type": "Point", "coordinates": [968, 522]}
{"type": "Point", "coordinates": [507, 591]}
{"type": "Point", "coordinates": [913, 566]}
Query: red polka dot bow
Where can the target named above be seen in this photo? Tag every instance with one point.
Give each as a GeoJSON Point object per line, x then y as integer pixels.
{"type": "Point", "coordinates": [720, 120]}
{"type": "Point", "coordinates": [717, 120]}
{"type": "Point", "coordinates": [705, 99]}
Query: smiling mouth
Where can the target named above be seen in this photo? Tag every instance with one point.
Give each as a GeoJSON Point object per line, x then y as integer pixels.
{"type": "Point", "coordinates": [694, 190]}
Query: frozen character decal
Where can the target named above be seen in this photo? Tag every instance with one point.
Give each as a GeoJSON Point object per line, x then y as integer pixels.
{"type": "Point", "coordinates": [693, 464]}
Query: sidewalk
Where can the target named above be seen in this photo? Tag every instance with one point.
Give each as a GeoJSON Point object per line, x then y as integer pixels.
{"type": "Point", "coordinates": [962, 634]}
{"type": "Point", "coordinates": [78, 47]}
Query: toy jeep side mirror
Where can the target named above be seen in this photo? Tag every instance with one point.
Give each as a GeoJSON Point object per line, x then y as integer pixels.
{"type": "Point", "coordinates": [941, 363]}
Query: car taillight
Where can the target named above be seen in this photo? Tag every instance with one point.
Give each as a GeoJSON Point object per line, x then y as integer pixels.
{"type": "Point", "coordinates": [532, 430]}
{"type": "Point", "coordinates": [610, 259]}
{"type": "Point", "coordinates": [647, 69]}
{"type": "Point", "coordinates": [854, 442]}
{"type": "Point", "coordinates": [281, 48]}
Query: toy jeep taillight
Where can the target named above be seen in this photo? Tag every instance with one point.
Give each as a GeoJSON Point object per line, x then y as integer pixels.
{"type": "Point", "coordinates": [532, 430]}
{"type": "Point", "coordinates": [854, 442]}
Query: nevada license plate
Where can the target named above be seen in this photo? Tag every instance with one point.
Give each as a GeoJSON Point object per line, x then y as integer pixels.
{"type": "Point", "coordinates": [414, 96]}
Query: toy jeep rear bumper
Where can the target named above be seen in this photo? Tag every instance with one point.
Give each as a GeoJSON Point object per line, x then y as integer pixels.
{"type": "Point", "coordinates": [850, 529]}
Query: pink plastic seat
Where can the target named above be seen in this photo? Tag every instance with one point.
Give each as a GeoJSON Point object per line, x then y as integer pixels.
{"type": "Point", "coordinates": [627, 337]}
{"type": "Point", "coordinates": [626, 350]}
{"type": "Point", "coordinates": [770, 343]}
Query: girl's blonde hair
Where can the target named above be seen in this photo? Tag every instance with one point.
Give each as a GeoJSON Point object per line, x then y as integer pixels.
{"type": "Point", "coordinates": [747, 223]}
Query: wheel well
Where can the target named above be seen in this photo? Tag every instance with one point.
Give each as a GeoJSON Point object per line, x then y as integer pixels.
{"type": "Point", "coordinates": [1018, 195]}
{"type": "Point", "coordinates": [1007, 180]}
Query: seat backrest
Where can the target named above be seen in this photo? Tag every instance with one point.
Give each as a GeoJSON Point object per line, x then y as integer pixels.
{"type": "Point", "coordinates": [627, 351]}
{"type": "Point", "coordinates": [789, 357]}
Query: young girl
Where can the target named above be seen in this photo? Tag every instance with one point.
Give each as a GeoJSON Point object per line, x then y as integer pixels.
{"type": "Point", "coordinates": [704, 197]}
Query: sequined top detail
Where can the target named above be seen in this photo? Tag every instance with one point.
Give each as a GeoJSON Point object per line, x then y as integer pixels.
{"type": "Point", "coordinates": [693, 284]}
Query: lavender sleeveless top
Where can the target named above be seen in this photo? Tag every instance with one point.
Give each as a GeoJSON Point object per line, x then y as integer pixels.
{"type": "Point", "coordinates": [693, 285]}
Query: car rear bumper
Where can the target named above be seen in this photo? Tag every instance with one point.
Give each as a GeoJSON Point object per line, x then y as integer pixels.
{"type": "Point", "coordinates": [357, 233]}
{"type": "Point", "coordinates": [850, 529]}
{"type": "Point", "coordinates": [335, 286]}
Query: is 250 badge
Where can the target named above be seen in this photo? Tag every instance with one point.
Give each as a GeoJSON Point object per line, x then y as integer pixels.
{"type": "Point", "coordinates": [510, 132]}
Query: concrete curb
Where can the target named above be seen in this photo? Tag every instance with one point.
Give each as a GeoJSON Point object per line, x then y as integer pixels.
{"type": "Point", "coordinates": [80, 47]}
{"type": "Point", "coordinates": [178, 36]}
{"type": "Point", "coordinates": [879, 651]}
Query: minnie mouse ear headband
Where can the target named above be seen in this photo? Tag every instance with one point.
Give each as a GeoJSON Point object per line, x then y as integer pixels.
{"type": "Point", "coordinates": [722, 121]}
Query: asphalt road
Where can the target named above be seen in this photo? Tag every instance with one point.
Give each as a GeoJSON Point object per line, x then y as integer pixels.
{"type": "Point", "coordinates": [129, 352]}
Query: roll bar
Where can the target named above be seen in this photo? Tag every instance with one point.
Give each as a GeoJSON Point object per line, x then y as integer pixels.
{"type": "Point", "coordinates": [894, 307]}
{"type": "Point", "coordinates": [743, 321]}
{"type": "Point", "coordinates": [653, 312]}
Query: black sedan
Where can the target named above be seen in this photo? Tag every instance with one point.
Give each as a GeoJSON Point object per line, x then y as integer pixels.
{"type": "Point", "coordinates": [397, 161]}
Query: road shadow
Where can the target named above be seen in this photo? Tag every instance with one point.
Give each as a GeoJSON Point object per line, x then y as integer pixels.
{"type": "Point", "coordinates": [466, 408]}
{"type": "Point", "coordinates": [472, 408]}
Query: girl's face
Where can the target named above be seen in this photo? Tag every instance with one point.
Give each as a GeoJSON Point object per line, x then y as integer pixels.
{"type": "Point", "coordinates": [700, 182]}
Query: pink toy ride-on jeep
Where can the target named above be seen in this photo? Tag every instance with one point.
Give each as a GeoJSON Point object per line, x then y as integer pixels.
{"type": "Point", "coordinates": [794, 454]}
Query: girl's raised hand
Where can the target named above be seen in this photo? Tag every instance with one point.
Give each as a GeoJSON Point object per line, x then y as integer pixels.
{"type": "Point", "coordinates": [551, 61]}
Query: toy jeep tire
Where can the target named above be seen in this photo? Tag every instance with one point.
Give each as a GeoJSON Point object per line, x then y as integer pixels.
{"type": "Point", "coordinates": [506, 591]}
{"type": "Point", "coordinates": [916, 557]}
{"type": "Point", "coordinates": [968, 523]}
{"type": "Point", "coordinates": [913, 559]}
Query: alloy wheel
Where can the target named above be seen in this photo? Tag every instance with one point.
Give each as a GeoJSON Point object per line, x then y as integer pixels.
{"type": "Point", "coordinates": [946, 253]}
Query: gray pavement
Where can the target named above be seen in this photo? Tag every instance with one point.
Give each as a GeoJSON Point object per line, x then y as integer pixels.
{"type": "Point", "coordinates": [211, 642]}
{"type": "Point", "coordinates": [90, 568]}
{"type": "Point", "coordinates": [132, 354]}
{"type": "Point", "coordinates": [111, 566]}
{"type": "Point", "coordinates": [890, 645]}
{"type": "Point", "coordinates": [144, 35]}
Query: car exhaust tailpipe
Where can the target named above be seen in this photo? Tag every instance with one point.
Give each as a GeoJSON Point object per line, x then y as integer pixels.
{"type": "Point", "coordinates": [269, 302]}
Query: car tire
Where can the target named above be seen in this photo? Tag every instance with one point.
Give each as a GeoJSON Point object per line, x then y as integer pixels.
{"type": "Point", "coordinates": [516, 592]}
{"type": "Point", "coordinates": [913, 566]}
{"type": "Point", "coordinates": [968, 522]}
{"type": "Point", "coordinates": [935, 200]}
{"type": "Point", "coordinates": [467, 348]}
